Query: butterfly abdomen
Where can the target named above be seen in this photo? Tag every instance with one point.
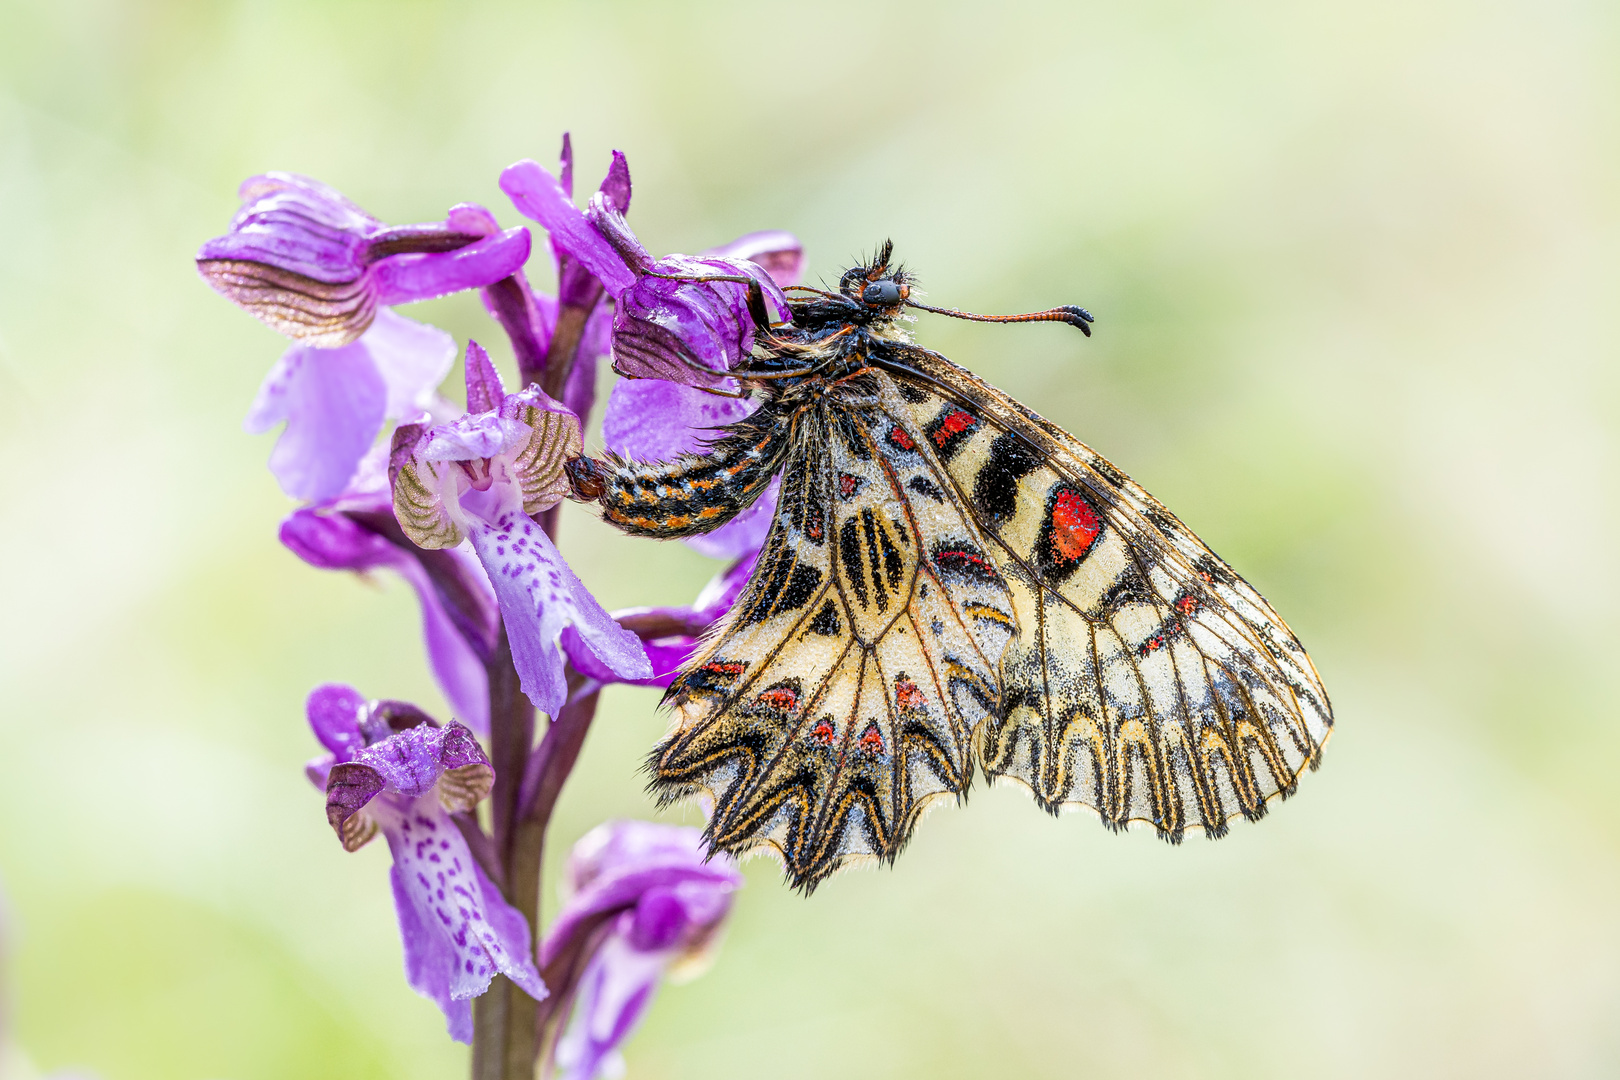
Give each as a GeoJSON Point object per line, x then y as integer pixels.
{"type": "Point", "coordinates": [695, 493]}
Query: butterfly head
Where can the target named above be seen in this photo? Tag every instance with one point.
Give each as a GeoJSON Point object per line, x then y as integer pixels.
{"type": "Point", "coordinates": [878, 288]}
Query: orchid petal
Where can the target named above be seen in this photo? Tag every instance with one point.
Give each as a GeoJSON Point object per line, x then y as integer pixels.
{"type": "Point", "coordinates": [538, 196]}
{"type": "Point", "coordinates": [295, 259]}
{"type": "Point", "coordinates": [554, 438]}
{"type": "Point", "coordinates": [539, 596]}
{"type": "Point", "coordinates": [419, 502]}
{"type": "Point", "coordinates": [457, 930]}
{"type": "Point", "coordinates": [472, 438]}
{"type": "Point", "coordinates": [413, 359]}
{"type": "Point", "coordinates": [616, 184]}
{"type": "Point", "coordinates": [485, 392]}
{"type": "Point", "coordinates": [690, 331]}
{"type": "Point", "coordinates": [332, 541]}
{"type": "Point", "coordinates": [334, 402]}
{"type": "Point", "coordinates": [606, 216]}
{"type": "Point", "coordinates": [659, 420]}
{"type": "Point", "coordinates": [403, 279]}
{"type": "Point", "coordinates": [334, 712]}
{"type": "Point", "coordinates": [472, 219]}
{"type": "Point", "coordinates": [669, 634]}
{"type": "Point", "coordinates": [779, 252]}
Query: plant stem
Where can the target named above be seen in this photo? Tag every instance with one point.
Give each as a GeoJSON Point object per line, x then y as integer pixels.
{"type": "Point", "coordinates": [506, 1026]}
{"type": "Point", "coordinates": [504, 1017]}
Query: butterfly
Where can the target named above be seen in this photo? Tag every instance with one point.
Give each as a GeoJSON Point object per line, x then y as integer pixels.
{"type": "Point", "coordinates": [950, 583]}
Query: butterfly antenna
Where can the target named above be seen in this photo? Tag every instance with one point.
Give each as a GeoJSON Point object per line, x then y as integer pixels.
{"type": "Point", "coordinates": [1068, 313]}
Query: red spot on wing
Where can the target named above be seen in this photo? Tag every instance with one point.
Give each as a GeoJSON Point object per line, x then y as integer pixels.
{"type": "Point", "coordinates": [813, 521]}
{"type": "Point", "coordinates": [784, 698]}
{"type": "Point", "coordinates": [1187, 603]}
{"type": "Point", "coordinates": [823, 732]}
{"type": "Point", "coordinates": [907, 695]}
{"type": "Point", "coordinates": [871, 739]}
{"type": "Point", "coordinates": [848, 485]}
{"type": "Point", "coordinates": [899, 439]}
{"type": "Point", "coordinates": [954, 424]}
{"type": "Point", "coordinates": [723, 668]}
{"type": "Point", "coordinates": [1075, 526]}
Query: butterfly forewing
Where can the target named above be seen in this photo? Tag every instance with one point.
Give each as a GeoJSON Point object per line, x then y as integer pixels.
{"type": "Point", "coordinates": [840, 696]}
{"type": "Point", "coordinates": [1147, 681]}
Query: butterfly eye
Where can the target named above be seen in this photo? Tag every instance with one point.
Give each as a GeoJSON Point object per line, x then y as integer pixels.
{"type": "Point", "coordinates": [881, 294]}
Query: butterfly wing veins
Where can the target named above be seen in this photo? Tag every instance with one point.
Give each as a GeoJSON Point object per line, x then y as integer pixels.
{"type": "Point", "coordinates": [951, 581]}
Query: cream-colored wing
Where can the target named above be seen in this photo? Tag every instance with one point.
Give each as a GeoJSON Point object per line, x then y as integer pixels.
{"type": "Point", "coordinates": [839, 697]}
{"type": "Point", "coordinates": [1148, 681]}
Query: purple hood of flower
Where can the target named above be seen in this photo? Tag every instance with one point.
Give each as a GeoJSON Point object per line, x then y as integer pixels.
{"type": "Point", "coordinates": [315, 267]}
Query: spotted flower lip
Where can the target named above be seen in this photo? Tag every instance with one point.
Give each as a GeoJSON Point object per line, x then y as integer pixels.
{"type": "Point", "coordinates": [313, 266]}
{"type": "Point", "coordinates": [483, 477]}
{"type": "Point", "coordinates": [685, 330]}
{"type": "Point", "coordinates": [647, 903]}
{"type": "Point", "coordinates": [392, 770]}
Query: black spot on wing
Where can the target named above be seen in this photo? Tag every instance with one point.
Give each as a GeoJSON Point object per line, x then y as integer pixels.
{"type": "Point", "coordinates": [995, 489]}
{"type": "Point", "coordinates": [926, 488]}
{"type": "Point", "coordinates": [826, 623]}
{"type": "Point", "coordinates": [916, 395]}
{"type": "Point", "coordinates": [849, 552]}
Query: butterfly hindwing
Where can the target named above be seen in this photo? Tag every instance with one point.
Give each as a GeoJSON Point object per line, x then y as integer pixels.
{"type": "Point", "coordinates": [1148, 681]}
{"type": "Point", "coordinates": [840, 696]}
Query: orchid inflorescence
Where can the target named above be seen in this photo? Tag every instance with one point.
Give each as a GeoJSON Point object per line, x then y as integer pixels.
{"type": "Point", "coordinates": [461, 503]}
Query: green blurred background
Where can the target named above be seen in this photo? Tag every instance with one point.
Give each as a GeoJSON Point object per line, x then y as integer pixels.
{"type": "Point", "coordinates": [1355, 269]}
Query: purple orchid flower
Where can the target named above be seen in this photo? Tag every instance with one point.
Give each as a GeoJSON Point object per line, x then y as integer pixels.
{"type": "Point", "coordinates": [391, 769]}
{"type": "Point", "coordinates": [647, 902]}
{"type": "Point", "coordinates": [572, 328]}
{"type": "Point", "coordinates": [357, 532]}
{"type": "Point", "coordinates": [312, 265]}
{"type": "Point", "coordinates": [482, 477]}
{"type": "Point", "coordinates": [683, 330]}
